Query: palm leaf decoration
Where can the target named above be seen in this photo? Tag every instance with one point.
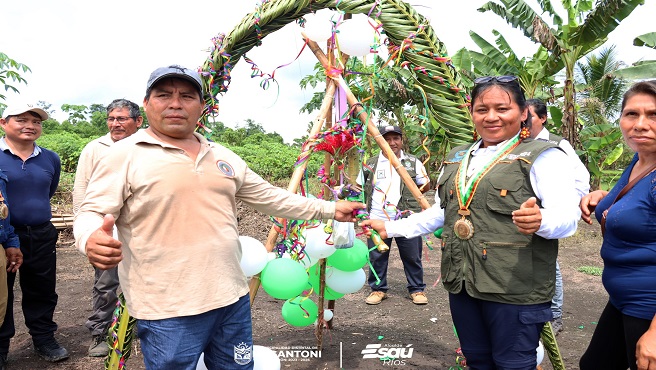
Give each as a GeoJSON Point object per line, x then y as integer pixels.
{"type": "Point", "coordinates": [121, 334]}
{"type": "Point", "coordinates": [422, 54]}
{"type": "Point", "coordinates": [551, 347]}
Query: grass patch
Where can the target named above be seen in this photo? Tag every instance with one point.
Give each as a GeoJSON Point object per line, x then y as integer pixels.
{"type": "Point", "coordinates": [591, 270]}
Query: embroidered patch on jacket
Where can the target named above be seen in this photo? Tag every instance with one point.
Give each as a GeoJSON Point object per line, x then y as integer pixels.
{"type": "Point", "coordinates": [225, 167]}
{"type": "Point", "coordinates": [458, 156]}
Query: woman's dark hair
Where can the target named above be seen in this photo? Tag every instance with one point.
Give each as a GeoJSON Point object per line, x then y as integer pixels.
{"type": "Point", "coordinates": [642, 87]}
{"type": "Point", "coordinates": [538, 106]}
{"type": "Point", "coordinates": [512, 88]}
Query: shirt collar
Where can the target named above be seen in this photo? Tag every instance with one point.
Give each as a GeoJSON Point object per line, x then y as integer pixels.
{"type": "Point", "coordinates": [5, 147]}
{"type": "Point", "coordinates": [401, 157]}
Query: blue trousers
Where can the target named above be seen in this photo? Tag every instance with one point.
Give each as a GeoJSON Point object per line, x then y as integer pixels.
{"type": "Point", "coordinates": [498, 336]}
{"type": "Point", "coordinates": [410, 252]}
{"type": "Point", "coordinates": [224, 335]}
{"type": "Point", "coordinates": [557, 300]}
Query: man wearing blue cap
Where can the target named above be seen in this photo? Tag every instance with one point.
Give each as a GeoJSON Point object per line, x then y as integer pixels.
{"type": "Point", "coordinates": [172, 195]}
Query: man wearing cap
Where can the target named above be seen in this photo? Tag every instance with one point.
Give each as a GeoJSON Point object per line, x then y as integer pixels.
{"type": "Point", "coordinates": [123, 120]}
{"type": "Point", "coordinates": [33, 174]}
{"type": "Point", "coordinates": [538, 112]}
{"type": "Point", "coordinates": [389, 199]}
{"type": "Point", "coordinates": [172, 196]}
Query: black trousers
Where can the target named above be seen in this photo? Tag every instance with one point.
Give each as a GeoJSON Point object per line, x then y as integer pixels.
{"type": "Point", "coordinates": [613, 343]}
{"type": "Point", "coordinates": [37, 282]}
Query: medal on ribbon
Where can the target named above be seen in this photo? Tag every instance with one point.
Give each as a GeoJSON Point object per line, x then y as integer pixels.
{"type": "Point", "coordinates": [466, 188]}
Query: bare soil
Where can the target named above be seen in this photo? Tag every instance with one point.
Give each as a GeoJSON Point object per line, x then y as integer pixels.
{"type": "Point", "coordinates": [396, 322]}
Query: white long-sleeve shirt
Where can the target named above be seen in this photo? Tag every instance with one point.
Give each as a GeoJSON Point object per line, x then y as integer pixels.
{"type": "Point", "coordinates": [552, 182]}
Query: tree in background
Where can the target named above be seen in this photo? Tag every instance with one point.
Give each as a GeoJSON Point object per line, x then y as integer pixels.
{"type": "Point", "coordinates": [502, 60]}
{"type": "Point", "coordinates": [586, 29]}
{"type": "Point", "coordinates": [10, 73]}
{"type": "Point", "coordinates": [599, 99]}
{"type": "Point", "coordinates": [643, 68]}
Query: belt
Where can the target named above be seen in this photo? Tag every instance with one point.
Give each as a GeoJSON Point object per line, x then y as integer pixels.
{"type": "Point", "coordinates": [32, 227]}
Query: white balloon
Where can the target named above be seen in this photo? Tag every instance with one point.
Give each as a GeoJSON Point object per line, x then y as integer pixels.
{"type": "Point", "coordinates": [317, 28]}
{"type": "Point", "coordinates": [254, 255]}
{"type": "Point", "coordinates": [264, 358]}
{"type": "Point", "coordinates": [315, 243]}
{"type": "Point", "coordinates": [327, 315]}
{"type": "Point", "coordinates": [201, 363]}
{"type": "Point", "coordinates": [308, 262]}
{"type": "Point", "coordinates": [540, 352]}
{"type": "Point", "coordinates": [345, 282]}
{"type": "Point", "coordinates": [355, 37]}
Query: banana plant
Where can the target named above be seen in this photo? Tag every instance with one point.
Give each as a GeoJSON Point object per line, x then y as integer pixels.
{"type": "Point", "coordinates": [585, 28]}
{"type": "Point", "coordinates": [502, 60]}
{"type": "Point", "coordinates": [644, 68]}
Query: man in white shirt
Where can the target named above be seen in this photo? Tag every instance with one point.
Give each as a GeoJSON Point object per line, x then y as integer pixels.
{"type": "Point", "coordinates": [123, 120]}
{"type": "Point", "coordinates": [538, 111]}
{"type": "Point", "coordinates": [389, 199]}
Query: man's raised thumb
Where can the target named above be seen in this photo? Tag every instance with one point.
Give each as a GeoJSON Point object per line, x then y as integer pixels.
{"type": "Point", "coordinates": [108, 225]}
{"type": "Point", "coordinates": [530, 203]}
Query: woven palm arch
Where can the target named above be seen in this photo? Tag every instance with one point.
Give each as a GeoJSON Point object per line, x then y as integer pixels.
{"type": "Point", "coordinates": [423, 54]}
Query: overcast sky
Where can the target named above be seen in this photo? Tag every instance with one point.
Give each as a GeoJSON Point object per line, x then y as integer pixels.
{"type": "Point", "coordinates": [86, 52]}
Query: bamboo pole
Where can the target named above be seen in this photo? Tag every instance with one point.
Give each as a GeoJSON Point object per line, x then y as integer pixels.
{"type": "Point", "coordinates": [371, 127]}
{"type": "Point", "coordinates": [254, 284]}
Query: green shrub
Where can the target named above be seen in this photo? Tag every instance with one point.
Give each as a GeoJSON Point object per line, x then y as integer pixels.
{"type": "Point", "coordinates": [67, 144]}
{"type": "Point", "coordinates": [591, 270]}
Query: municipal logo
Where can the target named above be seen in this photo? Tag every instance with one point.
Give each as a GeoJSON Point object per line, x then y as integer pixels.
{"type": "Point", "coordinates": [225, 167]}
{"type": "Point", "coordinates": [243, 353]}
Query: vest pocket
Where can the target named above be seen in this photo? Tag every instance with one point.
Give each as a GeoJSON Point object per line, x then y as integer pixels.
{"type": "Point", "coordinates": [451, 262]}
{"type": "Point", "coordinates": [505, 195]}
{"type": "Point", "coordinates": [503, 268]}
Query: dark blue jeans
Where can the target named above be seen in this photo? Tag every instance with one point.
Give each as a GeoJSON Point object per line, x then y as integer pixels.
{"type": "Point", "coordinates": [38, 280]}
{"type": "Point", "coordinates": [498, 336]}
{"type": "Point", "coordinates": [224, 335]}
{"type": "Point", "coordinates": [410, 252]}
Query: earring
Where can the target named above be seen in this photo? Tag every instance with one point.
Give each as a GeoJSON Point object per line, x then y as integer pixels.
{"type": "Point", "coordinates": [475, 136]}
{"type": "Point", "coordinates": [524, 133]}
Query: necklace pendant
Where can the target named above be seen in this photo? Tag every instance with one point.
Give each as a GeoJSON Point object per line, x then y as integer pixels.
{"type": "Point", "coordinates": [463, 228]}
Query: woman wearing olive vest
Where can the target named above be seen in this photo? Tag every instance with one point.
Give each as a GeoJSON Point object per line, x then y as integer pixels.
{"type": "Point", "coordinates": [503, 202]}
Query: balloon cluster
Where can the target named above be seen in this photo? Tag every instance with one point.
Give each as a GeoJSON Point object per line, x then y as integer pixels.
{"type": "Point", "coordinates": [285, 277]}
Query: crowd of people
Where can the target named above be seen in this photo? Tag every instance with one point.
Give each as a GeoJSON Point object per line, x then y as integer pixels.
{"type": "Point", "coordinates": [502, 202]}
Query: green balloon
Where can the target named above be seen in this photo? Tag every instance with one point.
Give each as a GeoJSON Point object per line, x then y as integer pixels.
{"type": "Point", "coordinates": [284, 278]}
{"type": "Point", "coordinates": [350, 259]}
{"type": "Point", "coordinates": [438, 233]}
{"type": "Point", "coordinates": [313, 280]}
{"type": "Point", "coordinates": [300, 311]}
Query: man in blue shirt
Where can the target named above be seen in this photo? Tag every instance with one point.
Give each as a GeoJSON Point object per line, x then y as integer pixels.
{"type": "Point", "coordinates": [33, 174]}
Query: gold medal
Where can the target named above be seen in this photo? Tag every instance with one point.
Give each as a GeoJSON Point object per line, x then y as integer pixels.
{"type": "Point", "coordinates": [463, 228]}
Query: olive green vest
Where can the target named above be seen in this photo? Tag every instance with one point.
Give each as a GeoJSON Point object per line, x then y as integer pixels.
{"type": "Point", "coordinates": [498, 263]}
{"type": "Point", "coordinates": [407, 201]}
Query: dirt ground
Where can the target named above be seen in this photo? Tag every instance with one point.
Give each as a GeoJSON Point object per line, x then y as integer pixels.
{"type": "Point", "coordinates": [395, 323]}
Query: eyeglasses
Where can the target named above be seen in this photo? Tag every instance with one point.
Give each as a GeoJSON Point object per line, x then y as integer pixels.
{"type": "Point", "coordinates": [502, 79]}
{"type": "Point", "coordinates": [120, 120]}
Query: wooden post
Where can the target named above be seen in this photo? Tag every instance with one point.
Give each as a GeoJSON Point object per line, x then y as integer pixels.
{"type": "Point", "coordinates": [254, 284]}
{"type": "Point", "coordinates": [371, 128]}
